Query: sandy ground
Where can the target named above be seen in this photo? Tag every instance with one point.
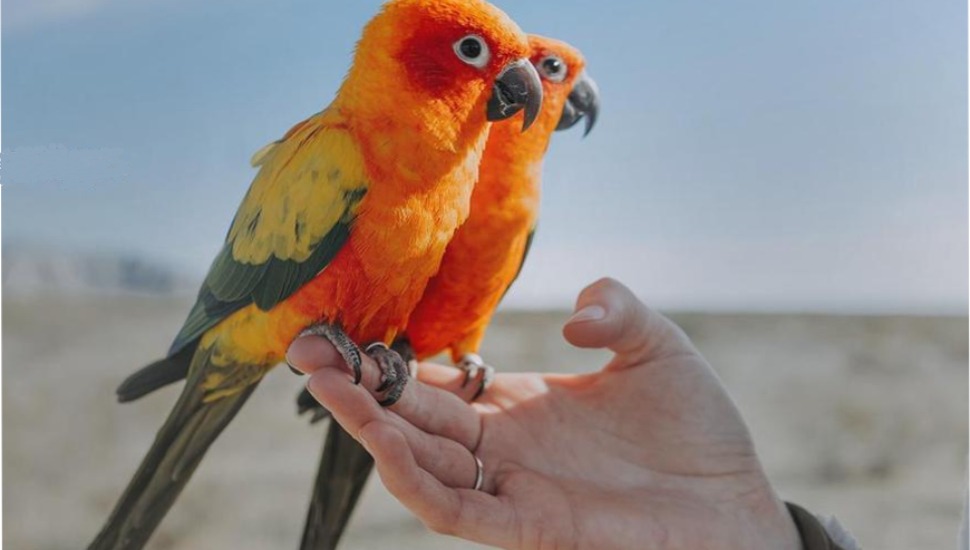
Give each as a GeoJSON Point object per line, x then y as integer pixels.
{"type": "Point", "coordinates": [861, 417]}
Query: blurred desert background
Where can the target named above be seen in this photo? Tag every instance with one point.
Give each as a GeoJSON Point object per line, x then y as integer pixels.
{"type": "Point", "coordinates": [859, 416]}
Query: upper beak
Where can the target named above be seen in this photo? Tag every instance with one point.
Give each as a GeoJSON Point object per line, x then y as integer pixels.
{"type": "Point", "coordinates": [583, 101]}
{"type": "Point", "coordinates": [516, 88]}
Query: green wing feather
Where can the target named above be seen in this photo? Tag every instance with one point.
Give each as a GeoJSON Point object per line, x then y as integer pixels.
{"type": "Point", "coordinates": [295, 218]}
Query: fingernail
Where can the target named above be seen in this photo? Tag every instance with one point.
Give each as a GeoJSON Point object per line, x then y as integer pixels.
{"type": "Point", "coordinates": [286, 359]}
{"type": "Point", "coordinates": [587, 314]}
{"type": "Point", "coordinates": [363, 442]}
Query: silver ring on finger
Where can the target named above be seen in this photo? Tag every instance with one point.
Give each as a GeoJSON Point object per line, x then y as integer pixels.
{"type": "Point", "coordinates": [479, 473]}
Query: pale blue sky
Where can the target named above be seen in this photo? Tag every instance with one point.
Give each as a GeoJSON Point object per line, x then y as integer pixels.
{"type": "Point", "coordinates": [750, 155]}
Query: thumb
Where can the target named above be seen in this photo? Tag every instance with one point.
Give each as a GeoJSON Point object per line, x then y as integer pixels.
{"type": "Point", "coordinates": [609, 315]}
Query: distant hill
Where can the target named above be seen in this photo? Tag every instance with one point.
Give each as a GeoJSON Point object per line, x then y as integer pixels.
{"type": "Point", "coordinates": [29, 271]}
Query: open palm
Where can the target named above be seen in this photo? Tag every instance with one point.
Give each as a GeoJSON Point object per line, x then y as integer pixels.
{"type": "Point", "coordinates": [648, 452]}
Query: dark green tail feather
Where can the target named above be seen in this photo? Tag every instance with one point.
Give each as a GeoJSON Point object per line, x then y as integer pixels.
{"type": "Point", "coordinates": [182, 441]}
{"type": "Point", "coordinates": [157, 375]}
{"type": "Point", "coordinates": [343, 471]}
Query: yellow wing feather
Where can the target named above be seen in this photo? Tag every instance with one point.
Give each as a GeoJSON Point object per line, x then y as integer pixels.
{"type": "Point", "coordinates": [294, 219]}
{"type": "Point", "coordinates": [302, 183]}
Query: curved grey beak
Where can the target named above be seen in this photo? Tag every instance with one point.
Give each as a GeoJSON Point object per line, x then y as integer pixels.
{"type": "Point", "coordinates": [583, 102]}
{"type": "Point", "coordinates": [516, 88]}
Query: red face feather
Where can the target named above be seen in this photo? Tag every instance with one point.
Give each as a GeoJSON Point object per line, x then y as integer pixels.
{"type": "Point", "coordinates": [428, 54]}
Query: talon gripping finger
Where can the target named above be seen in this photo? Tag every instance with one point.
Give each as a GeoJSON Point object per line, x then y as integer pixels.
{"type": "Point", "coordinates": [393, 395]}
{"type": "Point", "coordinates": [345, 346]}
{"type": "Point", "coordinates": [471, 363]}
{"type": "Point", "coordinates": [475, 368]}
{"type": "Point", "coordinates": [488, 375]}
{"type": "Point", "coordinates": [394, 372]}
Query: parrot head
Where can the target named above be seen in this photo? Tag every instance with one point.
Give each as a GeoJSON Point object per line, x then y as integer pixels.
{"type": "Point", "coordinates": [443, 64]}
{"type": "Point", "coordinates": [570, 94]}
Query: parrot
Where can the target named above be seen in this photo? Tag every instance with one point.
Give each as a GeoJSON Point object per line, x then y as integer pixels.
{"type": "Point", "coordinates": [480, 263]}
{"type": "Point", "coordinates": [346, 220]}
{"type": "Point", "coordinates": [489, 249]}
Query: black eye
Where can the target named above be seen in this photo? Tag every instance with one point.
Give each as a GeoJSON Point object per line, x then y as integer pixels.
{"type": "Point", "coordinates": [473, 50]}
{"type": "Point", "coordinates": [470, 48]}
{"type": "Point", "coordinates": [552, 68]}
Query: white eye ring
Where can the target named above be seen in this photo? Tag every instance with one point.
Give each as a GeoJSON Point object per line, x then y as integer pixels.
{"type": "Point", "coordinates": [473, 50]}
{"type": "Point", "coordinates": [552, 68]}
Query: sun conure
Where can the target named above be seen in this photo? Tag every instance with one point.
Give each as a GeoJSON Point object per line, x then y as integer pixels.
{"type": "Point", "coordinates": [484, 257]}
{"type": "Point", "coordinates": [488, 250]}
{"type": "Point", "coordinates": [345, 222]}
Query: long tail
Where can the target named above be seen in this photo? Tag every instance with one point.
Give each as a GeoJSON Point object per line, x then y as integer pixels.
{"type": "Point", "coordinates": [191, 427]}
{"type": "Point", "coordinates": [343, 471]}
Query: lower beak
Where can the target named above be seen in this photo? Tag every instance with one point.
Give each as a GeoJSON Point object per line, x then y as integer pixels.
{"type": "Point", "coordinates": [583, 101]}
{"type": "Point", "coordinates": [516, 88]}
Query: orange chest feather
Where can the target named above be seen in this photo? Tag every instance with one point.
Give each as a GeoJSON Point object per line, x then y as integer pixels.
{"type": "Point", "coordinates": [396, 245]}
{"type": "Point", "coordinates": [480, 263]}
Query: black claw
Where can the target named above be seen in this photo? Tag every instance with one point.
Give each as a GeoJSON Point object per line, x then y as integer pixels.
{"type": "Point", "coordinates": [387, 360]}
{"type": "Point", "coordinates": [484, 377]}
{"type": "Point", "coordinates": [385, 383]}
{"type": "Point", "coordinates": [394, 372]}
{"type": "Point", "coordinates": [394, 395]}
{"type": "Point", "coordinates": [488, 374]}
{"type": "Point", "coordinates": [353, 359]}
{"type": "Point", "coordinates": [481, 390]}
{"type": "Point", "coordinates": [350, 352]}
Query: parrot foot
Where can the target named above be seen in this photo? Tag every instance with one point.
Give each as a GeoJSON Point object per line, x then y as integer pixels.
{"type": "Point", "coordinates": [394, 372]}
{"type": "Point", "coordinates": [404, 349]}
{"type": "Point", "coordinates": [306, 403]}
{"type": "Point", "coordinates": [345, 346]}
{"type": "Point", "coordinates": [475, 368]}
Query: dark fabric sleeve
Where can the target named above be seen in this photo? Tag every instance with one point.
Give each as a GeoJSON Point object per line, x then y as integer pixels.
{"type": "Point", "coordinates": [810, 530]}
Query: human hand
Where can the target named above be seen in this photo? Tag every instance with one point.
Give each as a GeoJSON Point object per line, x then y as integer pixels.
{"type": "Point", "coordinates": [649, 452]}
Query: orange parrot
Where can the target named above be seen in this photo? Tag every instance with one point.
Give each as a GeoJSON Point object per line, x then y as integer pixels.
{"type": "Point", "coordinates": [481, 261]}
{"type": "Point", "coordinates": [489, 249]}
{"type": "Point", "coordinates": [342, 227]}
